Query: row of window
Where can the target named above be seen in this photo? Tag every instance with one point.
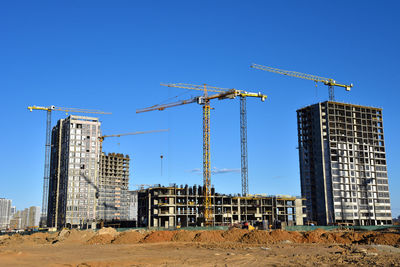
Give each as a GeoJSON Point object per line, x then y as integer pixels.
{"type": "Point", "coordinates": [361, 201]}
{"type": "Point", "coordinates": [363, 214]}
{"type": "Point", "coordinates": [78, 208]}
{"type": "Point", "coordinates": [362, 207]}
{"type": "Point", "coordinates": [359, 174]}
{"type": "Point", "coordinates": [343, 159]}
{"type": "Point", "coordinates": [355, 187]}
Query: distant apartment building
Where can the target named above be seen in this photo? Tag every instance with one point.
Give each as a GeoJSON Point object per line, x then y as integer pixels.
{"type": "Point", "coordinates": [5, 213]}
{"type": "Point", "coordinates": [113, 201]}
{"type": "Point", "coordinates": [343, 164]}
{"type": "Point", "coordinates": [24, 218]}
{"type": "Point", "coordinates": [15, 223]}
{"type": "Point", "coordinates": [13, 210]}
{"type": "Point", "coordinates": [34, 216]}
{"type": "Point", "coordinates": [74, 167]}
{"type": "Point", "coordinates": [27, 218]}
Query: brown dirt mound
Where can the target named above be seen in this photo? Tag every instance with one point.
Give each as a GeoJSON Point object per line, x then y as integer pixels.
{"type": "Point", "coordinates": [13, 239]}
{"type": "Point", "coordinates": [209, 236]}
{"type": "Point", "coordinates": [104, 236]}
{"type": "Point", "coordinates": [159, 236]}
{"type": "Point", "coordinates": [129, 237]}
{"type": "Point", "coordinates": [37, 238]}
{"type": "Point", "coordinates": [101, 239]}
{"type": "Point", "coordinates": [385, 239]}
{"type": "Point", "coordinates": [279, 236]}
{"type": "Point", "coordinates": [184, 236]}
{"type": "Point", "coordinates": [107, 231]}
{"type": "Point", "coordinates": [72, 236]}
{"type": "Point", "coordinates": [316, 236]}
{"type": "Point", "coordinates": [234, 234]}
{"type": "Point", "coordinates": [109, 235]}
{"type": "Point", "coordinates": [256, 237]}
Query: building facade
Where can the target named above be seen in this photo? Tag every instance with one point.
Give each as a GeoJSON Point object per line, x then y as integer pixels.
{"type": "Point", "coordinates": [74, 166]}
{"type": "Point", "coordinates": [34, 216]}
{"type": "Point", "coordinates": [173, 206]}
{"type": "Point", "coordinates": [5, 213]}
{"type": "Point", "coordinates": [343, 166]}
{"type": "Point", "coordinates": [113, 202]}
{"type": "Point", "coordinates": [133, 206]}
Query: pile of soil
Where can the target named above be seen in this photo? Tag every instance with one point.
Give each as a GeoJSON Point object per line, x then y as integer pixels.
{"type": "Point", "coordinates": [234, 235]}
{"type": "Point", "coordinates": [70, 236]}
{"type": "Point", "coordinates": [385, 239]}
{"type": "Point", "coordinates": [209, 236]}
{"type": "Point", "coordinates": [280, 236]}
{"type": "Point", "coordinates": [316, 236]}
{"type": "Point", "coordinates": [103, 236]}
{"type": "Point", "coordinates": [129, 237]}
{"type": "Point", "coordinates": [255, 237]}
{"type": "Point", "coordinates": [184, 236]}
{"type": "Point", "coordinates": [159, 236]}
{"type": "Point", "coordinates": [239, 236]}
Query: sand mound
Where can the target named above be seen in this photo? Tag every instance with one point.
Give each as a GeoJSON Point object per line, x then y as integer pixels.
{"type": "Point", "coordinates": [209, 236]}
{"type": "Point", "coordinates": [104, 236]}
{"type": "Point", "coordinates": [101, 239]}
{"type": "Point", "coordinates": [386, 239]}
{"type": "Point", "coordinates": [72, 236]}
{"type": "Point", "coordinates": [159, 236]}
{"type": "Point", "coordinates": [13, 239]}
{"type": "Point", "coordinates": [184, 236]}
{"type": "Point", "coordinates": [256, 237]}
{"type": "Point", "coordinates": [279, 236]}
{"type": "Point", "coordinates": [129, 237]}
{"type": "Point", "coordinates": [107, 231]}
{"type": "Point", "coordinates": [316, 236]}
{"type": "Point", "coordinates": [37, 238]}
{"type": "Point", "coordinates": [234, 234]}
{"type": "Point", "coordinates": [110, 235]}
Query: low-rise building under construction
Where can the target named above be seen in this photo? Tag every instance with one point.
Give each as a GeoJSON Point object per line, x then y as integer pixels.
{"type": "Point", "coordinates": [174, 206]}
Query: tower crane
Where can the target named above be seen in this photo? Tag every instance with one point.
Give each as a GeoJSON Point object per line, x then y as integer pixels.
{"type": "Point", "coordinates": [101, 138]}
{"type": "Point", "coordinates": [47, 149]}
{"type": "Point", "coordinates": [331, 83]}
{"type": "Point", "coordinates": [222, 93]}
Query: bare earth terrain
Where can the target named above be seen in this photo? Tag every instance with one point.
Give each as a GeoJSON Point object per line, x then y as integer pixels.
{"type": "Point", "coordinates": [205, 248]}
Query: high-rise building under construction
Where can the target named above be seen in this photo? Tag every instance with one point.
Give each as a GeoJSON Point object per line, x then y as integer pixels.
{"type": "Point", "coordinates": [74, 166]}
{"type": "Point", "coordinates": [343, 164]}
{"type": "Point", "coordinates": [113, 202]}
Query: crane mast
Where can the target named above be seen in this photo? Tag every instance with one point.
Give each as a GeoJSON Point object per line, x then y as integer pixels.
{"type": "Point", "coordinates": [47, 150]}
{"type": "Point", "coordinates": [331, 83]}
{"type": "Point", "coordinates": [208, 216]}
{"type": "Point", "coordinates": [243, 147]}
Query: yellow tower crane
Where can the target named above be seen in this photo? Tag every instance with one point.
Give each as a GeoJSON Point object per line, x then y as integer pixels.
{"type": "Point", "coordinates": [49, 110]}
{"type": "Point", "coordinates": [331, 83]}
{"type": "Point", "coordinates": [222, 93]}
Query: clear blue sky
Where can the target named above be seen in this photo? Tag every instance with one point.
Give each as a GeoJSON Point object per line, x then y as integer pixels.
{"type": "Point", "coordinates": [112, 55]}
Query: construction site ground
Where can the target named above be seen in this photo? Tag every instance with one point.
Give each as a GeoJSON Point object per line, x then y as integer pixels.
{"type": "Point", "coordinates": [235, 247]}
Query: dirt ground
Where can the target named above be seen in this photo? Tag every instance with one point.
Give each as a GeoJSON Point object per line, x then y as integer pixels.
{"type": "Point", "coordinates": [205, 248]}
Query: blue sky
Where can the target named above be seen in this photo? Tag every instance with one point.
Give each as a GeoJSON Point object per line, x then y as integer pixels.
{"type": "Point", "coordinates": [112, 55]}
